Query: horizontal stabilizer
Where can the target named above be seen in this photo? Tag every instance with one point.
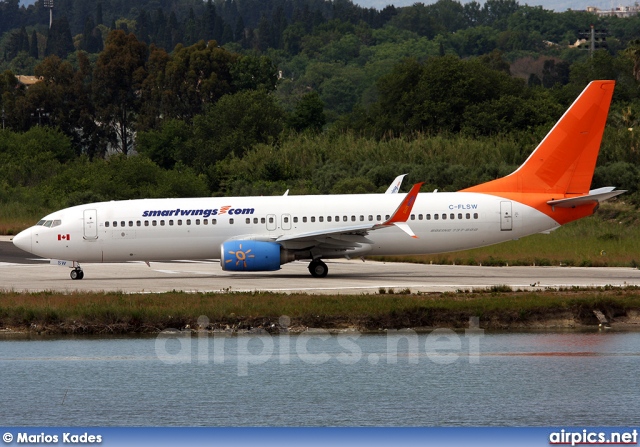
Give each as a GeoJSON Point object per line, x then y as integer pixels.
{"type": "Point", "coordinates": [595, 195]}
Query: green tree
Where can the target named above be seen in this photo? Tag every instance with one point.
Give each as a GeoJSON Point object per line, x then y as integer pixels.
{"type": "Point", "coordinates": [254, 72]}
{"type": "Point", "coordinates": [433, 97]}
{"type": "Point", "coordinates": [65, 95]}
{"type": "Point", "coordinates": [308, 114]}
{"type": "Point", "coordinates": [555, 73]}
{"type": "Point", "coordinates": [59, 41]}
{"type": "Point", "coordinates": [33, 46]}
{"type": "Point", "coordinates": [11, 92]}
{"type": "Point", "coordinates": [117, 79]}
{"type": "Point", "coordinates": [234, 125]}
{"type": "Point", "coordinates": [416, 18]}
{"type": "Point", "coordinates": [510, 114]}
{"type": "Point", "coordinates": [18, 42]}
{"type": "Point", "coordinates": [165, 146]}
{"type": "Point", "coordinates": [195, 77]}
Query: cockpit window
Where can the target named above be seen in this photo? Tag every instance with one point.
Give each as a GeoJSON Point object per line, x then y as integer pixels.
{"type": "Point", "coordinates": [48, 223]}
{"type": "Point", "coordinates": [40, 222]}
{"type": "Point", "coordinates": [56, 223]}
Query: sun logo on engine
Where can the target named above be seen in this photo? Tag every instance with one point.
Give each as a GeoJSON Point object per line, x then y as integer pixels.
{"type": "Point", "coordinates": [241, 256]}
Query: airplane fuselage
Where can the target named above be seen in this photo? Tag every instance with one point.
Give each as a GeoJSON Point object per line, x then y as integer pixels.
{"type": "Point", "coordinates": [167, 229]}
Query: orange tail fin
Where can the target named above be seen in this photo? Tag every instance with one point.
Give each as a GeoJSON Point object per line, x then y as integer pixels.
{"type": "Point", "coordinates": [563, 163]}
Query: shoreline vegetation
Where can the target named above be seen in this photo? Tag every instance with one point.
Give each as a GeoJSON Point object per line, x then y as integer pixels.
{"type": "Point", "coordinates": [497, 308]}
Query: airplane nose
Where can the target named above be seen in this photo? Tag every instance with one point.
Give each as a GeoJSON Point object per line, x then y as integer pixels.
{"type": "Point", "coordinates": [23, 240]}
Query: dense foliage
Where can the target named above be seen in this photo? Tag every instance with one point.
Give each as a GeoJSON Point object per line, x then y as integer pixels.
{"type": "Point", "coordinates": [190, 98]}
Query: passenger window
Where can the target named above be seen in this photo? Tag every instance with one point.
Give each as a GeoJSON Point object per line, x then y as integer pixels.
{"type": "Point", "coordinates": [304, 219]}
{"type": "Point", "coordinates": [328, 218]}
{"type": "Point", "coordinates": [370, 218]}
{"type": "Point", "coordinates": [179, 221]}
{"type": "Point", "coordinates": [378, 217]}
{"type": "Point", "coordinates": [214, 221]}
{"type": "Point", "coordinates": [162, 223]}
{"type": "Point", "coordinates": [106, 224]}
{"type": "Point", "coordinates": [205, 222]}
{"type": "Point", "coordinates": [262, 220]}
{"type": "Point", "coordinates": [345, 218]}
{"type": "Point", "coordinates": [115, 224]}
{"type": "Point", "coordinates": [271, 220]}
{"type": "Point", "coordinates": [337, 218]}
{"type": "Point", "coordinates": [130, 223]}
{"type": "Point", "coordinates": [255, 220]}
{"type": "Point", "coordinates": [295, 220]}
{"type": "Point", "coordinates": [428, 216]}
{"type": "Point", "coordinates": [313, 218]}
{"type": "Point", "coordinates": [468, 216]}
{"type": "Point", "coordinates": [386, 217]}
{"type": "Point", "coordinates": [248, 221]}
{"type": "Point", "coordinates": [444, 216]}
{"type": "Point", "coordinates": [419, 216]}
{"type": "Point", "coordinates": [170, 222]}
{"type": "Point", "coordinates": [154, 223]}
{"type": "Point", "coordinates": [361, 218]}
{"type": "Point", "coordinates": [460, 216]}
{"type": "Point", "coordinates": [188, 221]}
{"type": "Point", "coordinates": [122, 223]}
{"type": "Point", "coordinates": [230, 221]}
{"type": "Point", "coordinates": [320, 219]}
{"type": "Point", "coordinates": [436, 216]}
{"type": "Point", "coordinates": [413, 217]}
{"type": "Point", "coordinates": [475, 215]}
{"type": "Point", "coordinates": [138, 223]}
{"type": "Point", "coordinates": [452, 216]}
{"type": "Point", "coordinates": [286, 219]}
{"type": "Point", "coordinates": [197, 221]}
{"type": "Point", "coordinates": [146, 223]}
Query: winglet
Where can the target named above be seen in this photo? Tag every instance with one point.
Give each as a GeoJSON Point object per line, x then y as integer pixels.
{"type": "Point", "coordinates": [395, 185]}
{"type": "Point", "coordinates": [402, 213]}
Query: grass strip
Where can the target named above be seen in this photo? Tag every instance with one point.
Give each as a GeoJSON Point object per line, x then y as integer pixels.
{"type": "Point", "coordinates": [497, 308]}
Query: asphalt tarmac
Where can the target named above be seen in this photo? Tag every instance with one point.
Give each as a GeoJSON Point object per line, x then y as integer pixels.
{"type": "Point", "coordinates": [21, 271]}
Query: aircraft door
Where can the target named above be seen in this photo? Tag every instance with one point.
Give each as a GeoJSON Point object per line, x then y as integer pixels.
{"type": "Point", "coordinates": [506, 218]}
{"type": "Point", "coordinates": [272, 223]}
{"type": "Point", "coordinates": [90, 225]}
{"type": "Point", "coordinates": [286, 221]}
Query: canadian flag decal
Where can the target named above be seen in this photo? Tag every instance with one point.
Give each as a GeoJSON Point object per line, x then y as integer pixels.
{"type": "Point", "coordinates": [63, 237]}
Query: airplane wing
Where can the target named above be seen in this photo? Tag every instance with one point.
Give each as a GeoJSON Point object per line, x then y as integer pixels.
{"type": "Point", "coordinates": [353, 236]}
{"type": "Point", "coordinates": [394, 188]}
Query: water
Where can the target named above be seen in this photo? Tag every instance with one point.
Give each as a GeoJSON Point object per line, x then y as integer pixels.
{"type": "Point", "coordinates": [469, 379]}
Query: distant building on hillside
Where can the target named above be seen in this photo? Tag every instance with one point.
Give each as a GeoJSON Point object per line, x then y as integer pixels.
{"type": "Point", "coordinates": [28, 81]}
{"type": "Point", "coordinates": [619, 11]}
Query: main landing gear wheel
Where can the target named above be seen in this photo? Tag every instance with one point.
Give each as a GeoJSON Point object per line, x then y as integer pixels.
{"type": "Point", "coordinates": [77, 274]}
{"type": "Point", "coordinates": [318, 269]}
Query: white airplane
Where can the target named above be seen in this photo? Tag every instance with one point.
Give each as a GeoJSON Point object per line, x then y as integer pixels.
{"type": "Point", "coordinates": [253, 234]}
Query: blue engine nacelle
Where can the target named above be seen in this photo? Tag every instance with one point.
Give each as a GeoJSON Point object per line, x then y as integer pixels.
{"type": "Point", "coordinates": [252, 256]}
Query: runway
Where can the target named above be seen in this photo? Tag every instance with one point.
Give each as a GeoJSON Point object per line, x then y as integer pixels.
{"type": "Point", "coordinates": [20, 271]}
